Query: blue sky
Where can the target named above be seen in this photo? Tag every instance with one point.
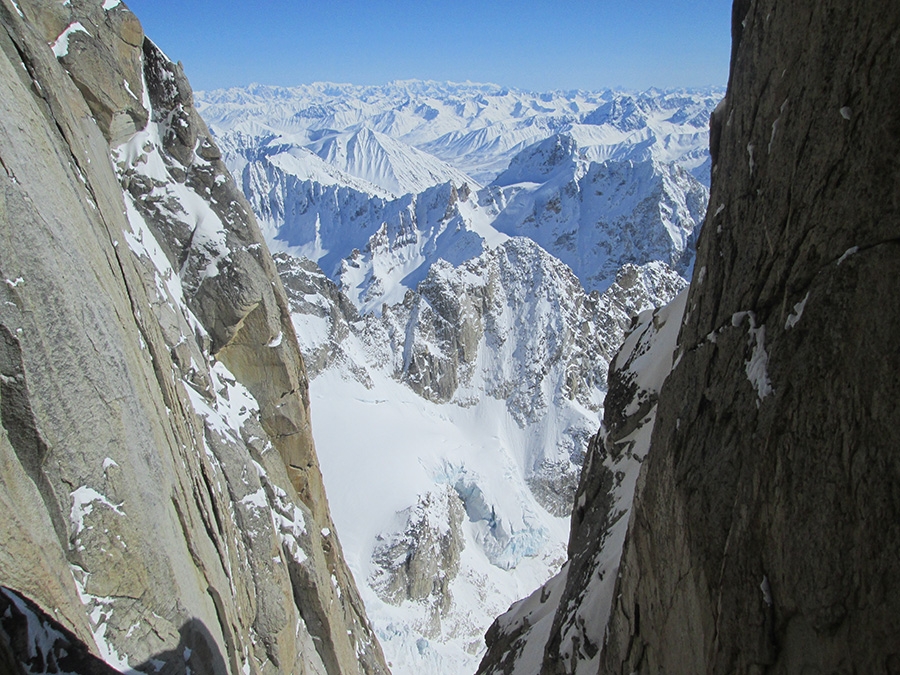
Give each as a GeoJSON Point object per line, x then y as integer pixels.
{"type": "Point", "coordinates": [537, 45]}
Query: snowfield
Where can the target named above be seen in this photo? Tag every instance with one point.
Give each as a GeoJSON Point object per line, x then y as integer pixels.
{"type": "Point", "coordinates": [384, 449]}
{"type": "Point", "coordinates": [462, 262]}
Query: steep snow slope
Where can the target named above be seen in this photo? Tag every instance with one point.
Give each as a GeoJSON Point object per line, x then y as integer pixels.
{"type": "Point", "coordinates": [376, 249]}
{"type": "Point", "coordinates": [472, 402]}
{"type": "Point", "coordinates": [672, 126]}
{"type": "Point", "coordinates": [367, 160]}
{"type": "Point", "coordinates": [563, 622]}
{"type": "Point", "coordinates": [598, 215]}
{"type": "Point", "coordinates": [471, 361]}
{"type": "Point", "coordinates": [383, 161]}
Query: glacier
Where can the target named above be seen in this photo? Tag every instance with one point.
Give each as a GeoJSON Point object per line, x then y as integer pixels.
{"type": "Point", "coordinates": [462, 263]}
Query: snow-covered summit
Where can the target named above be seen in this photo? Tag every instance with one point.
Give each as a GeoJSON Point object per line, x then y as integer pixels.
{"type": "Point", "coordinates": [349, 176]}
{"type": "Point", "coordinates": [597, 216]}
{"type": "Point", "coordinates": [384, 161]}
{"type": "Point", "coordinates": [476, 128]}
{"type": "Point", "coordinates": [466, 330]}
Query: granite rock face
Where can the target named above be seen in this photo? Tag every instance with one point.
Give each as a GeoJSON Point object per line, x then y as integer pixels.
{"type": "Point", "coordinates": [161, 498]}
{"type": "Point", "coordinates": [765, 537]}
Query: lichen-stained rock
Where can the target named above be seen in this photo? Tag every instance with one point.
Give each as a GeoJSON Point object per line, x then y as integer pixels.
{"type": "Point", "coordinates": [765, 538]}
{"type": "Point", "coordinates": [161, 496]}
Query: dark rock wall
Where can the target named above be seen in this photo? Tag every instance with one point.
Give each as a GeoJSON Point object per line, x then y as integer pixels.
{"type": "Point", "coordinates": [766, 537]}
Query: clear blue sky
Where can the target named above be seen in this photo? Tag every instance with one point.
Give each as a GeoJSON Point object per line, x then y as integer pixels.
{"type": "Point", "coordinates": [529, 44]}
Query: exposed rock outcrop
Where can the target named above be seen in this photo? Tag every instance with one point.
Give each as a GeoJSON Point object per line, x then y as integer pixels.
{"type": "Point", "coordinates": [161, 496]}
{"type": "Point", "coordinates": [419, 562]}
{"type": "Point", "coordinates": [765, 537]}
{"type": "Point", "coordinates": [513, 324]}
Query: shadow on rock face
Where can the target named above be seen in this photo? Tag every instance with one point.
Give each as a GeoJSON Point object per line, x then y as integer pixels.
{"type": "Point", "coordinates": [197, 653]}
{"type": "Point", "coordinates": [33, 643]}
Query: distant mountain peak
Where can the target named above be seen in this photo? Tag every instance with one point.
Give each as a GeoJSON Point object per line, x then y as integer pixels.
{"type": "Point", "coordinates": [468, 329]}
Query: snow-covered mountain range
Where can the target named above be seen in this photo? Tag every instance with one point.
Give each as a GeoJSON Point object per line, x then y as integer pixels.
{"type": "Point", "coordinates": [462, 263]}
{"type": "Point", "coordinates": [474, 128]}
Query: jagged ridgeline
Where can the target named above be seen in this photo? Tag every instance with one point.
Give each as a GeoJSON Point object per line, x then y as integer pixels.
{"type": "Point", "coordinates": [462, 262]}
{"type": "Point", "coordinates": [161, 505]}
{"type": "Point", "coordinates": [763, 532]}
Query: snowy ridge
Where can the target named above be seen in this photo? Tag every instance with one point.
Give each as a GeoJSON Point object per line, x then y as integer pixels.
{"type": "Point", "coordinates": [466, 331]}
{"type": "Point", "coordinates": [383, 161]}
{"type": "Point", "coordinates": [477, 393]}
{"type": "Point", "coordinates": [594, 186]}
{"type": "Point", "coordinates": [376, 249]}
{"type": "Point", "coordinates": [564, 620]}
{"type": "Point", "coordinates": [476, 128]}
{"type": "Point", "coordinates": [595, 217]}
{"type": "Point", "coordinates": [598, 216]}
